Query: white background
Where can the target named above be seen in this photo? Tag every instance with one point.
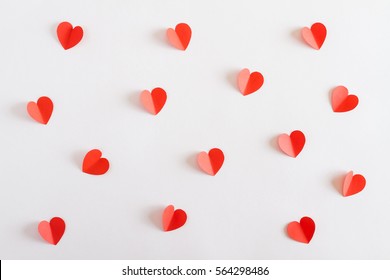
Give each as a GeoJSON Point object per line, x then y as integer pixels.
{"type": "Point", "coordinates": [242, 212]}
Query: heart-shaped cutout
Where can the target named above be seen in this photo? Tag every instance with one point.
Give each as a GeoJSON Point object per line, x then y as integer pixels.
{"type": "Point", "coordinates": [315, 36]}
{"type": "Point", "coordinates": [342, 101]}
{"type": "Point", "coordinates": [292, 144]}
{"type": "Point", "coordinates": [94, 164]}
{"type": "Point", "coordinates": [69, 36]}
{"type": "Point", "coordinates": [302, 231]}
{"type": "Point", "coordinates": [52, 231]}
{"type": "Point", "coordinates": [180, 37]}
{"type": "Point", "coordinates": [353, 184]}
{"type": "Point", "coordinates": [212, 161]}
{"type": "Point", "coordinates": [42, 110]}
{"type": "Point", "coordinates": [154, 101]}
{"type": "Point", "coordinates": [173, 219]}
{"type": "Point", "coordinates": [249, 82]}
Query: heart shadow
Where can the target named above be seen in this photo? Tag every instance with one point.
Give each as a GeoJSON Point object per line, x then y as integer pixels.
{"type": "Point", "coordinates": [20, 110]}
{"type": "Point", "coordinates": [53, 31]}
{"type": "Point", "coordinates": [231, 77]}
{"type": "Point", "coordinates": [330, 96]}
{"type": "Point", "coordinates": [337, 182]}
{"type": "Point", "coordinates": [192, 161]}
{"type": "Point", "coordinates": [274, 143]}
{"type": "Point", "coordinates": [31, 230]}
{"type": "Point", "coordinates": [78, 158]}
{"type": "Point", "coordinates": [296, 34]}
{"type": "Point", "coordinates": [155, 216]}
{"type": "Point", "coordinates": [134, 99]}
{"type": "Point", "coordinates": [161, 37]}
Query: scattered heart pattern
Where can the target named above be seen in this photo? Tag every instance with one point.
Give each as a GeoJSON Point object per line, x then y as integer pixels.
{"type": "Point", "coordinates": [302, 231]}
{"type": "Point", "coordinates": [353, 184]}
{"type": "Point", "coordinates": [249, 82]}
{"type": "Point", "coordinates": [42, 110]}
{"type": "Point", "coordinates": [94, 164]}
{"type": "Point", "coordinates": [314, 36]}
{"type": "Point", "coordinates": [292, 145]}
{"type": "Point", "coordinates": [69, 36]}
{"type": "Point", "coordinates": [52, 231]}
{"type": "Point", "coordinates": [154, 101]}
{"type": "Point", "coordinates": [180, 37]}
{"type": "Point", "coordinates": [212, 161]}
{"type": "Point", "coordinates": [342, 101]}
{"type": "Point", "coordinates": [173, 219]}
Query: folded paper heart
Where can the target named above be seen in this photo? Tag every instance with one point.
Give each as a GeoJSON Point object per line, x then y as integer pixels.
{"type": "Point", "coordinates": [302, 231]}
{"type": "Point", "coordinates": [315, 36]}
{"type": "Point", "coordinates": [154, 101]}
{"type": "Point", "coordinates": [42, 110]}
{"type": "Point", "coordinates": [249, 82]}
{"type": "Point", "coordinates": [292, 145]}
{"type": "Point", "coordinates": [180, 36]}
{"type": "Point", "coordinates": [52, 231]}
{"type": "Point", "coordinates": [173, 219]}
{"type": "Point", "coordinates": [353, 184]}
{"type": "Point", "coordinates": [94, 164]}
{"type": "Point", "coordinates": [212, 161]}
{"type": "Point", "coordinates": [342, 101]}
{"type": "Point", "coordinates": [69, 36]}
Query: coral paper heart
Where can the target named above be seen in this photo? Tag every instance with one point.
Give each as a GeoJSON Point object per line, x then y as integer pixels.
{"type": "Point", "coordinates": [211, 162]}
{"type": "Point", "coordinates": [69, 36]}
{"type": "Point", "coordinates": [52, 231]}
{"type": "Point", "coordinates": [292, 145]}
{"type": "Point", "coordinates": [42, 110]}
{"type": "Point", "coordinates": [353, 184]}
{"type": "Point", "coordinates": [154, 101]}
{"type": "Point", "coordinates": [94, 164]}
{"type": "Point", "coordinates": [342, 101]}
{"type": "Point", "coordinates": [249, 82]}
{"type": "Point", "coordinates": [302, 231]}
{"type": "Point", "coordinates": [315, 36]}
{"type": "Point", "coordinates": [180, 37]}
{"type": "Point", "coordinates": [173, 219]}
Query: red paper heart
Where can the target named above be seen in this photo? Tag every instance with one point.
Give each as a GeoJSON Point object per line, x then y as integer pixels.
{"type": "Point", "coordinates": [42, 110]}
{"type": "Point", "coordinates": [211, 162]}
{"type": "Point", "coordinates": [180, 37]}
{"type": "Point", "coordinates": [353, 184]}
{"type": "Point", "coordinates": [249, 83]}
{"type": "Point", "coordinates": [302, 231]}
{"type": "Point", "coordinates": [94, 164]}
{"type": "Point", "coordinates": [155, 101]}
{"type": "Point", "coordinates": [69, 36]}
{"type": "Point", "coordinates": [173, 219]}
{"type": "Point", "coordinates": [52, 232]}
{"type": "Point", "coordinates": [341, 101]}
{"type": "Point", "coordinates": [292, 145]}
{"type": "Point", "coordinates": [315, 36]}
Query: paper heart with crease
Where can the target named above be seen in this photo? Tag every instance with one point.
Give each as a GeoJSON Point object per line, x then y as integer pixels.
{"type": "Point", "coordinates": [52, 231]}
{"type": "Point", "coordinates": [94, 164]}
{"type": "Point", "coordinates": [154, 101]}
{"type": "Point", "coordinates": [302, 231]}
{"type": "Point", "coordinates": [314, 36]}
{"type": "Point", "coordinates": [353, 184]}
{"type": "Point", "coordinates": [180, 36]}
{"type": "Point", "coordinates": [212, 161]}
{"type": "Point", "coordinates": [42, 110]}
{"type": "Point", "coordinates": [342, 101]}
{"type": "Point", "coordinates": [69, 36]}
{"type": "Point", "coordinates": [249, 82]}
{"type": "Point", "coordinates": [292, 144]}
{"type": "Point", "coordinates": [173, 219]}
